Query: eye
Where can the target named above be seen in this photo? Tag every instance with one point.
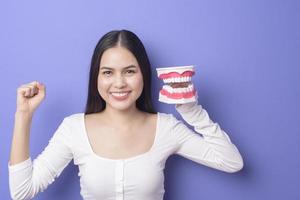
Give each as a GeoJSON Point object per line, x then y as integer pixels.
{"type": "Point", "coordinates": [130, 71]}
{"type": "Point", "coordinates": [106, 72]}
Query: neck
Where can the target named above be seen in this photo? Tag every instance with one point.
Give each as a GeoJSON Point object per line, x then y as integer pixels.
{"type": "Point", "coordinates": [122, 118]}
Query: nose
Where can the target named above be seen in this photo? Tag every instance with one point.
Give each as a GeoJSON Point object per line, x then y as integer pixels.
{"type": "Point", "coordinates": [120, 81]}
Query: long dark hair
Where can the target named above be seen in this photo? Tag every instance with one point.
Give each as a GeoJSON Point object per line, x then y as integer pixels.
{"type": "Point", "coordinates": [130, 41]}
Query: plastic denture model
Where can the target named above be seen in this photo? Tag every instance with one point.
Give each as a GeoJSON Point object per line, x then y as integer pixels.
{"type": "Point", "coordinates": [177, 88]}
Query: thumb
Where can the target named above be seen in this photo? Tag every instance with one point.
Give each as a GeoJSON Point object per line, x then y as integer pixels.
{"type": "Point", "coordinates": [42, 89]}
{"type": "Point", "coordinates": [41, 86]}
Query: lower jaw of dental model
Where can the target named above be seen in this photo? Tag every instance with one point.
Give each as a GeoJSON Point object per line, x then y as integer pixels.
{"type": "Point", "coordinates": [178, 88]}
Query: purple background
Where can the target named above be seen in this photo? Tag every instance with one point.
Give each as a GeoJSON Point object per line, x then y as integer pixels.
{"type": "Point", "coordinates": [247, 58]}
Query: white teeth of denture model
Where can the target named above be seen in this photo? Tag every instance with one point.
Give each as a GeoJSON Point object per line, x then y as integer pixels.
{"type": "Point", "coordinates": [178, 88]}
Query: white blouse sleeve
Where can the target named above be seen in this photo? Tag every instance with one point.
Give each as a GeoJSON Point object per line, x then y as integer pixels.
{"type": "Point", "coordinates": [213, 149]}
{"type": "Point", "coordinates": [28, 178]}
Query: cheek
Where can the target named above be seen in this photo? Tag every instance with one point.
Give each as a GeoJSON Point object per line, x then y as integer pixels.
{"type": "Point", "coordinates": [102, 85]}
{"type": "Point", "coordinates": [138, 82]}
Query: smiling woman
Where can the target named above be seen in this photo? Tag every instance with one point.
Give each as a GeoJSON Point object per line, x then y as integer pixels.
{"type": "Point", "coordinates": [120, 144]}
{"type": "Point", "coordinates": [119, 86]}
{"type": "Point", "coordinates": [116, 52]}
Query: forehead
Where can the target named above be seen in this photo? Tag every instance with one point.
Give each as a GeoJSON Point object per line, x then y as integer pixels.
{"type": "Point", "coordinates": [117, 57]}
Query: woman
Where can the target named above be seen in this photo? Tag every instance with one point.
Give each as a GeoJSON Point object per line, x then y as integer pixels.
{"type": "Point", "coordinates": [120, 143]}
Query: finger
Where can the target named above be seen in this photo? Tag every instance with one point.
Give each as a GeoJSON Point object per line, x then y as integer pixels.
{"type": "Point", "coordinates": [24, 91]}
{"type": "Point", "coordinates": [32, 91]}
{"type": "Point", "coordinates": [35, 90]}
{"type": "Point", "coordinates": [29, 90]}
{"type": "Point", "coordinates": [21, 91]}
{"type": "Point", "coordinates": [34, 83]}
{"type": "Point", "coordinates": [31, 84]}
{"type": "Point", "coordinates": [41, 88]}
{"type": "Point", "coordinates": [35, 86]}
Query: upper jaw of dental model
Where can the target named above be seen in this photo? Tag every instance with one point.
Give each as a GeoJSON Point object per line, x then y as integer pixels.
{"type": "Point", "coordinates": [181, 74]}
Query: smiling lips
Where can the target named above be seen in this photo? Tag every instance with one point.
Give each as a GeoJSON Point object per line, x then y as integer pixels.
{"type": "Point", "coordinates": [120, 95]}
{"type": "Point", "coordinates": [178, 87]}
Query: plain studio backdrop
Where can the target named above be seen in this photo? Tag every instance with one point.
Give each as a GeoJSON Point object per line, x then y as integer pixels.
{"type": "Point", "coordinates": [247, 62]}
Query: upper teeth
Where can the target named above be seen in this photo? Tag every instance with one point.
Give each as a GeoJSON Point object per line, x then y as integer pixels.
{"type": "Point", "coordinates": [177, 79]}
{"type": "Point", "coordinates": [119, 94]}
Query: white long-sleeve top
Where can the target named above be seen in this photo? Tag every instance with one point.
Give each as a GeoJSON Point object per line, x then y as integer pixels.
{"type": "Point", "coordinates": [138, 177]}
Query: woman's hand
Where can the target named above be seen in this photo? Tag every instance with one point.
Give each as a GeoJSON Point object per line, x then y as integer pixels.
{"type": "Point", "coordinates": [29, 97]}
{"type": "Point", "coordinates": [186, 105]}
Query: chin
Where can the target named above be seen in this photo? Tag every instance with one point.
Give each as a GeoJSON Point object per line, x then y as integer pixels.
{"type": "Point", "coordinates": [121, 107]}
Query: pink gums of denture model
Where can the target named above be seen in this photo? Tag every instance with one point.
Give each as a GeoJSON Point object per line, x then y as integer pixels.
{"type": "Point", "coordinates": [178, 88]}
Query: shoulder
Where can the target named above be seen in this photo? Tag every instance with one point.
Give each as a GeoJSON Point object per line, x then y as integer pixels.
{"type": "Point", "coordinates": [65, 131]}
{"type": "Point", "coordinates": [162, 117]}
{"type": "Point", "coordinates": [73, 117]}
{"type": "Point", "coordinates": [168, 120]}
{"type": "Point", "coordinates": [73, 120]}
{"type": "Point", "coordinates": [175, 128]}
{"type": "Point", "coordinates": [167, 117]}
{"type": "Point", "coordinates": [69, 128]}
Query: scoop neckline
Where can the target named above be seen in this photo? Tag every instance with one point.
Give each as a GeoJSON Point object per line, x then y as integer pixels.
{"type": "Point", "coordinates": [119, 159]}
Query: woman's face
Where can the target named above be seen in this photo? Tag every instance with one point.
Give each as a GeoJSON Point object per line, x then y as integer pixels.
{"type": "Point", "coordinates": [120, 80]}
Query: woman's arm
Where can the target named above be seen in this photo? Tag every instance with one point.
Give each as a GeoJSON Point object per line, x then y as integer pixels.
{"type": "Point", "coordinates": [214, 148]}
{"type": "Point", "coordinates": [20, 141]}
{"type": "Point", "coordinates": [27, 178]}
{"type": "Point", "coordinates": [29, 97]}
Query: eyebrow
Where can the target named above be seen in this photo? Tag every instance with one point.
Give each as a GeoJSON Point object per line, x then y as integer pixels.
{"type": "Point", "coordinates": [130, 66]}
